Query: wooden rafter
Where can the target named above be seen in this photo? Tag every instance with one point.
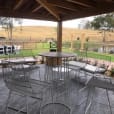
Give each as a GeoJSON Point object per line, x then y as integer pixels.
{"type": "Point", "coordinates": [4, 13]}
{"type": "Point", "coordinates": [66, 5]}
{"type": "Point", "coordinates": [64, 11]}
{"type": "Point", "coordinates": [105, 0]}
{"type": "Point", "coordinates": [37, 8]}
{"type": "Point", "coordinates": [49, 8]}
{"type": "Point", "coordinates": [84, 3]}
{"type": "Point", "coordinates": [88, 12]}
{"type": "Point", "coordinates": [19, 4]}
{"type": "Point", "coordinates": [109, 0]}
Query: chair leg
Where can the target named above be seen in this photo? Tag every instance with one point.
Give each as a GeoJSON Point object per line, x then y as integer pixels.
{"type": "Point", "coordinates": [78, 73]}
{"type": "Point", "coordinates": [89, 100]}
{"type": "Point", "coordinates": [39, 75]}
{"type": "Point", "coordinates": [52, 95]}
{"type": "Point", "coordinates": [109, 101]}
{"type": "Point", "coordinates": [33, 104]}
{"type": "Point", "coordinates": [27, 105]}
{"type": "Point", "coordinates": [7, 102]}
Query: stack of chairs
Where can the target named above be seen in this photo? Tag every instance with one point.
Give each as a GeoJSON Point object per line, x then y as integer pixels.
{"type": "Point", "coordinates": [17, 77]}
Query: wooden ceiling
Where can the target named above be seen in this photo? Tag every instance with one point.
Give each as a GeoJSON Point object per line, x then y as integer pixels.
{"type": "Point", "coordinates": [54, 10]}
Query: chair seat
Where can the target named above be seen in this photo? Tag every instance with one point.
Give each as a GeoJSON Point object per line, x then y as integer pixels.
{"type": "Point", "coordinates": [77, 64]}
{"type": "Point", "coordinates": [24, 88]}
{"type": "Point", "coordinates": [34, 67]}
{"type": "Point", "coordinates": [25, 91]}
{"type": "Point", "coordinates": [105, 83]}
{"type": "Point", "coordinates": [93, 69]}
{"type": "Point", "coordinates": [20, 67]}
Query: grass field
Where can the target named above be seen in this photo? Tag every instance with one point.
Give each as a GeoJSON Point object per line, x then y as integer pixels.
{"type": "Point", "coordinates": [100, 56]}
{"type": "Point", "coordinates": [69, 34]}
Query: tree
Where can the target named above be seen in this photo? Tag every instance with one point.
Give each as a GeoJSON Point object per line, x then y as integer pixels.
{"type": "Point", "coordinates": [103, 21]}
{"type": "Point", "coordinates": [87, 25]}
{"type": "Point", "coordinates": [7, 23]}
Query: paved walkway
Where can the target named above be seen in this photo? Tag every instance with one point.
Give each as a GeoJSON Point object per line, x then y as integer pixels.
{"type": "Point", "coordinates": [73, 97]}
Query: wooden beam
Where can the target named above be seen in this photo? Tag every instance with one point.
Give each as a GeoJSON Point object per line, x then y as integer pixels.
{"type": "Point", "coordinates": [63, 11]}
{"type": "Point", "coordinates": [109, 0]}
{"type": "Point", "coordinates": [59, 36]}
{"type": "Point", "coordinates": [37, 8]}
{"type": "Point", "coordinates": [85, 13]}
{"type": "Point", "coordinates": [104, 1]}
{"type": "Point", "coordinates": [19, 4]}
{"type": "Point", "coordinates": [83, 3]}
{"type": "Point", "coordinates": [5, 13]}
{"type": "Point", "coordinates": [66, 5]}
{"type": "Point", "coordinates": [49, 8]}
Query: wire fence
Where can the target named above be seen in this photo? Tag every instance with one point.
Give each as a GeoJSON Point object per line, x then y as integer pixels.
{"type": "Point", "coordinates": [92, 50]}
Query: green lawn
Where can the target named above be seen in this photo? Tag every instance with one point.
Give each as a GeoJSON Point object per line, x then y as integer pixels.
{"type": "Point", "coordinates": [24, 53]}
{"type": "Point", "coordinates": [44, 47]}
{"type": "Point", "coordinates": [35, 52]}
{"type": "Point", "coordinates": [96, 55]}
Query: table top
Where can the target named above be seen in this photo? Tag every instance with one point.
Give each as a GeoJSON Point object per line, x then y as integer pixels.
{"type": "Point", "coordinates": [21, 60]}
{"type": "Point", "coordinates": [57, 54]}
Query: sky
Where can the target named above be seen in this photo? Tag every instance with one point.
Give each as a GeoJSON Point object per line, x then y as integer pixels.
{"type": "Point", "coordinates": [69, 24]}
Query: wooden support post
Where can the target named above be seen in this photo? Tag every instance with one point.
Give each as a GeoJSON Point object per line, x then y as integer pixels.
{"type": "Point", "coordinates": [59, 36]}
{"type": "Point", "coordinates": [82, 41]}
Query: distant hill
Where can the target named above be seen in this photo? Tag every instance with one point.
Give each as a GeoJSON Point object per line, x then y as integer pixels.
{"type": "Point", "coordinates": [43, 32]}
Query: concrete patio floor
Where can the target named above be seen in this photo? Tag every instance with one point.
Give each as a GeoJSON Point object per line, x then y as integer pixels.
{"type": "Point", "coordinates": [72, 97]}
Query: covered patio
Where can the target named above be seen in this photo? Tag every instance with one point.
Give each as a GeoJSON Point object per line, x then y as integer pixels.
{"type": "Point", "coordinates": [69, 87]}
{"type": "Point", "coordinates": [74, 96]}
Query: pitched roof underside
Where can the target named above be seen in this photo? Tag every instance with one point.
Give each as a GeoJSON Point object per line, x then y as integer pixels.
{"type": "Point", "coordinates": [54, 10]}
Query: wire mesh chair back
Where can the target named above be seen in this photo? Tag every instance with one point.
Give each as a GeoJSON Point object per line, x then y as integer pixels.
{"type": "Point", "coordinates": [93, 70]}
{"type": "Point", "coordinates": [55, 108]}
{"type": "Point", "coordinates": [18, 81]}
{"type": "Point", "coordinates": [17, 78]}
{"type": "Point", "coordinates": [21, 71]}
{"type": "Point", "coordinates": [57, 70]}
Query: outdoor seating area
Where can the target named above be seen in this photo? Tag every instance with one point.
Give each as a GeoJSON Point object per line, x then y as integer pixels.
{"type": "Point", "coordinates": [67, 88]}
{"type": "Point", "coordinates": [61, 82]}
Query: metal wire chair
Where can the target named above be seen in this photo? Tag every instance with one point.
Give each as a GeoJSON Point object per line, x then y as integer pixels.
{"type": "Point", "coordinates": [17, 80]}
{"type": "Point", "coordinates": [91, 77]}
{"type": "Point", "coordinates": [88, 71]}
{"type": "Point", "coordinates": [99, 82]}
{"type": "Point", "coordinates": [55, 108]}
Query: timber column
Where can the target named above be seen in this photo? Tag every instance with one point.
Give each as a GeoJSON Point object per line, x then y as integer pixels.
{"type": "Point", "coordinates": [59, 36]}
